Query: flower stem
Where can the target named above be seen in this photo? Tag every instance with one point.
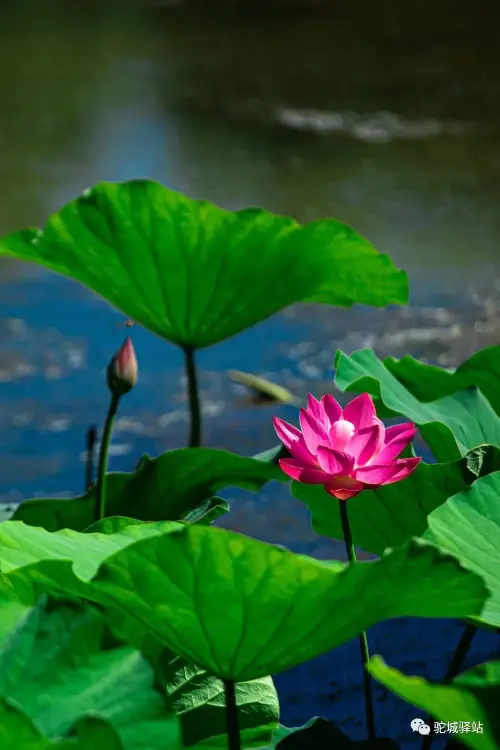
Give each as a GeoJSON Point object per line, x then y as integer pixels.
{"type": "Point", "coordinates": [194, 398]}
{"type": "Point", "coordinates": [454, 667]}
{"type": "Point", "coordinates": [103, 458]}
{"type": "Point", "coordinates": [232, 724]}
{"type": "Point", "coordinates": [363, 641]}
{"type": "Point", "coordinates": [90, 440]}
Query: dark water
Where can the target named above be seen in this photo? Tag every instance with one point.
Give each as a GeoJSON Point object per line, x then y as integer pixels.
{"type": "Point", "coordinates": [386, 117]}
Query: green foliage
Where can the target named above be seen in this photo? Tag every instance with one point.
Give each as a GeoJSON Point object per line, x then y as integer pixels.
{"type": "Point", "coordinates": [428, 382]}
{"type": "Point", "coordinates": [165, 488]}
{"type": "Point", "coordinates": [120, 633]}
{"type": "Point", "coordinates": [389, 515]}
{"type": "Point", "coordinates": [198, 700]}
{"type": "Point", "coordinates": [13, 612]}
{"type": "Point", "coordinates": [472, 698]}
{"type": "Point", "coordinates": [468, 526]}
{"type": "Point", "coordinates": [280, 609]}
{"type": "Point", "coordinates": [197, 274]}
{"type": "Point", "coordinates": [194, 694]}
{"type": "Point", "coordinates": [57, 669]}
{"type": "Point", "coordinates": [18, 732]}
{"type": "Point", "coordinates": [451, 426]}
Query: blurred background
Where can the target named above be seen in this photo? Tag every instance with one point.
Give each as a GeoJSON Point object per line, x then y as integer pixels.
{"type": "Point", "coordinates": [385, 115]}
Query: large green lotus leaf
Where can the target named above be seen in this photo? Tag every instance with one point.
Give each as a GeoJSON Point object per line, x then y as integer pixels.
{"type": "Point", "coordinates": [279, 609]}
{"type": "Point", "coordinates": [21, 544]}
{"type": "Point", "coordinates": [451, 426]}
{"type": "Point", "coordinates": [428, 382]}
{"type": "Point", "coordinates": [468, 526]}
{"type": "Point", "coordinates": [197, 274]}
{"type": "Point", "coordinates": [198, 700]}
{"type": "Point", "coordinates": [58, 667]}
{"type": "Point", "coordinates": [390, 515]}
{"type": "Point", "coordinates": [473, 698]}
{"type": "Point", "coordinates": [163, 488]}
{"type": "Point", "coordinates": [196, 697]}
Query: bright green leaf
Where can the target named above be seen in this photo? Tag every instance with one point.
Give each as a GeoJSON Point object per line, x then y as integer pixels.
{"type": "Point", "coordinates": [451, 426]}
{"type": "Point", "coordinates": [197, 274]}
{"type": "Point", "coordinates": [196, 696]}
{"type": "Point", "coordinates": [428, 382]}
{"type": "Point", "coordinates": [23, 545]}
{"type": "Point", "coordinates": [473, 697]}
{"type": "Point", "coordinates": [163, 488]}
{"type": "Point", "coordinates": [390, 515]}
{"type": "Point", "coordinates": [468, 526]}
{"type": "Point", "coordinates": [199, 701]}
{"type": "Point", "coordinates": [57, 668]}
{"type": "Point", "coordinates": [280, 609]}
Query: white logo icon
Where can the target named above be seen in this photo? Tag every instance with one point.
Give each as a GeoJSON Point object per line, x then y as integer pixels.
{"type": "Point", "coordinates": [419, 725]}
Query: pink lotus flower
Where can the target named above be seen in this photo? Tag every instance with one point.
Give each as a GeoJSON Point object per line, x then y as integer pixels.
{"type": "Point", "coordinates": [345, 450]}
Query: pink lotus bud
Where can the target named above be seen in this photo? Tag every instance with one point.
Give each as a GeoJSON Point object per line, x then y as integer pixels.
{"type": "Point", "coordinates": [123, 370]}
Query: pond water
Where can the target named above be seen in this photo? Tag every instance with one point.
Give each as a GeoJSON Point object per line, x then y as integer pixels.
{"type": "Point", "coordinates": [386, 118]}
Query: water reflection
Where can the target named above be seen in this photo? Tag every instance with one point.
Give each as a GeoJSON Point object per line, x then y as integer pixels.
{"type": "Point", "coordinates": [387, 118]}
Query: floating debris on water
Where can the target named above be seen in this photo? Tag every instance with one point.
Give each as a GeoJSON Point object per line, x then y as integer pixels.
{"type": "Point", "coordinates": [261, 389]}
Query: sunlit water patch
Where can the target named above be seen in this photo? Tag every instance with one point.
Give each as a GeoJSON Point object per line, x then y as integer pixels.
{"type": "Point", "coordinates": [374, 127]}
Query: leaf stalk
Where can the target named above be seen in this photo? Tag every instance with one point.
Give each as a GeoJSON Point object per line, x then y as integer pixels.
{"type": "Point", "coordinates": [193, 397]}
{"type": "Point", "coordinates": [100, 505]}
{"type": "Point", "coordinates": [232, 724]}
{"type": "Point", "coordinates": [363, 641]}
